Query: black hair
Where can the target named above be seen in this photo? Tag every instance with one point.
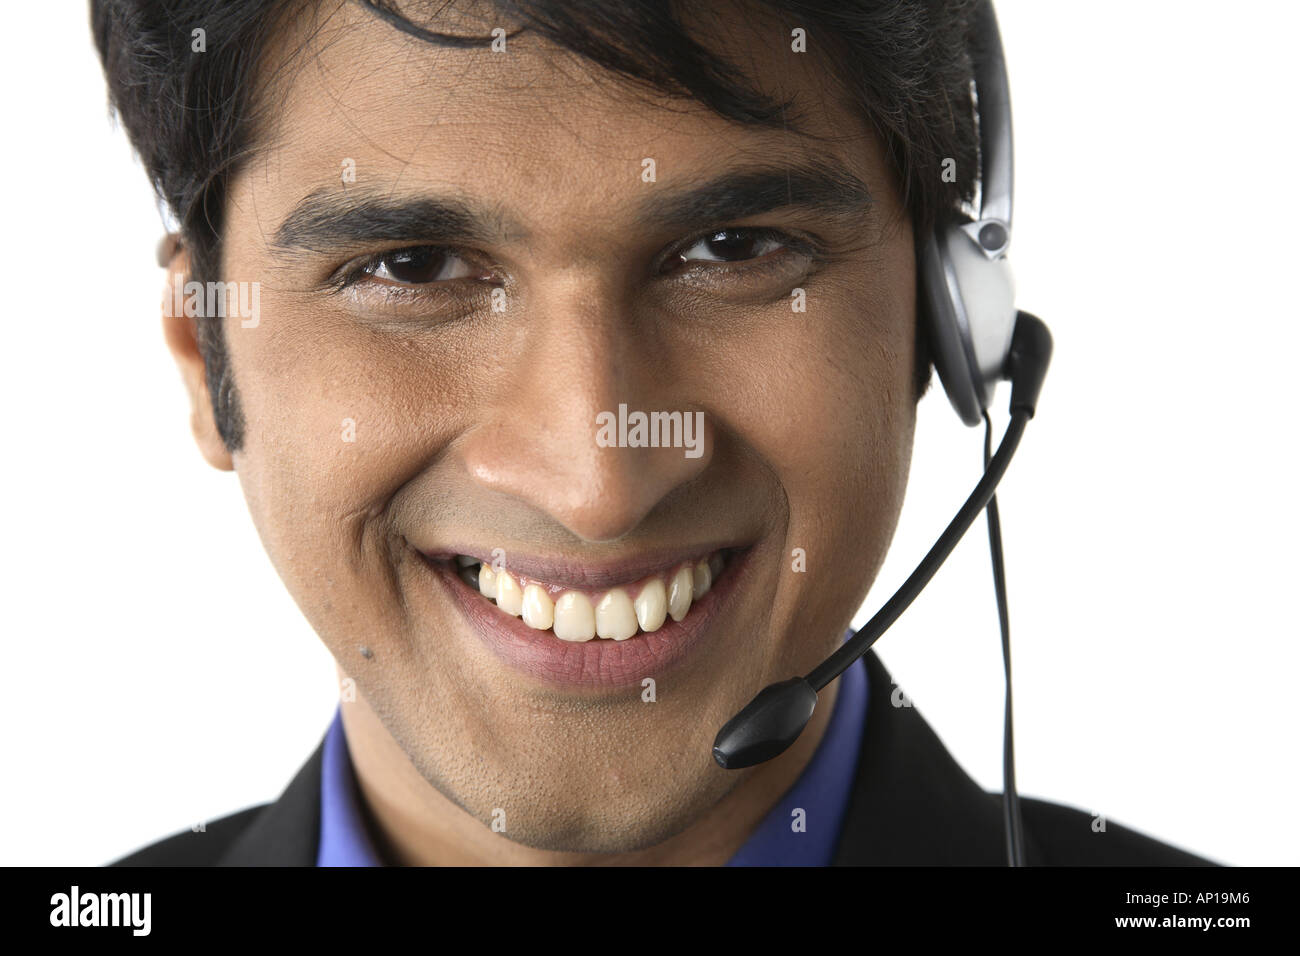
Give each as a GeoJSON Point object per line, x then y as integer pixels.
{"type": "Point", "coordinates": [904, 64]}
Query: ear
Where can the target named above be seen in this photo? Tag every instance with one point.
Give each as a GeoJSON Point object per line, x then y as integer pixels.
{"type": "Point", "coordinates": [181, 334]}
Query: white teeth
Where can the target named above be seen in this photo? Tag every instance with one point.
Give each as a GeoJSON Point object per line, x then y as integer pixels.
{"type": "Point", "coordinates": [652, 606]}
{"type": "Point", "coordinates": [615, 619]}
{"type": "Point", "coordinates": [539, 612]}
{"type": "Point", "coordinates": [509, 597]}
{"type": "Point", "coordinates": [679, 593]}
{"type": "Point", "coordinates": [487, 581]}
{"type": "Point", "coordinates": [702, 580]}
{"type": "Point", "coordinates": [574, 618]}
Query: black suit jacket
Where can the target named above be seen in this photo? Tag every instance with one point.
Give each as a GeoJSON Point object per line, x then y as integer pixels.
{"type": "Point", "coordinates": [911, 805]}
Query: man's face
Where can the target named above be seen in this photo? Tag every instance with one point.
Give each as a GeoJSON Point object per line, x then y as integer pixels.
{"type": "Point", "coordinates": [402, 414]}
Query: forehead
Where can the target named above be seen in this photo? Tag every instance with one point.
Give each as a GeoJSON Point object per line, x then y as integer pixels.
{"type": "Point", "coordinates": [534, 127]}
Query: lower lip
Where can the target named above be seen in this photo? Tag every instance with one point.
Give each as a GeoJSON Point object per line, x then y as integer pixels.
{"type": "Point", "coordinates": [596, 663]}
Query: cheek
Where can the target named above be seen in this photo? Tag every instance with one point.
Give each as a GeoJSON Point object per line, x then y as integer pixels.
{"type": "Point", "coordinates": [335, 426]}
{"type": "Point", "coordinates": [833, 404]}
{"type": "Point", "coordinates": [835, 418]}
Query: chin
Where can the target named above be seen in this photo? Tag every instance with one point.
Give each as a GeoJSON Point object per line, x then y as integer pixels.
{"type": "Point", "coordinates": [643, 820]}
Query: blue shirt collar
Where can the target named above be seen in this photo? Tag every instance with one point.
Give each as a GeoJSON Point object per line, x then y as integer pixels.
{"type": "Point", "coordinates": [344, 837]}
{"type": "Point", "coordinates": [801, 830]}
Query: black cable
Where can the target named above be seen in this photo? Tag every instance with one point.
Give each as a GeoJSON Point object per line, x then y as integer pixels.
{"type": "Point", "coordinates": [1010, 799]}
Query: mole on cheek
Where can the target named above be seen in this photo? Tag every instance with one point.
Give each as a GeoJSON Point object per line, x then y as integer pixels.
{"type": "Point", "coordinates": [367, 653]}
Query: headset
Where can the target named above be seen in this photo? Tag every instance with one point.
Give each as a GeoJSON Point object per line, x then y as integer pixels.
{"type": "Point", "coordinates": [977, 339]}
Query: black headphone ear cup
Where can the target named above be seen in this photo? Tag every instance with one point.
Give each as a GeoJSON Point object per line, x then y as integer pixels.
{"type": "Point", "coordinates": [949, 347]}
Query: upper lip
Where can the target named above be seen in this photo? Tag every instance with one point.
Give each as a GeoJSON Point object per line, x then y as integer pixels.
{"type": "Point", "coordinates": [584, 574]}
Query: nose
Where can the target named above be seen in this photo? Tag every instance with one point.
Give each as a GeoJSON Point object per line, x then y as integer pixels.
{"type": "Point", "coordinates": [571, 357]}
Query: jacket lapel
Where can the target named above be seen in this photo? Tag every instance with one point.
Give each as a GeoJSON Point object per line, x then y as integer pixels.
{"type": "Point", "coordinates": [287, 832]}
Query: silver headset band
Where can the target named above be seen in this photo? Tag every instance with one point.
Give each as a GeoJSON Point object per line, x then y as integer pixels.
{"type": "Point", "coordinates": [993, 95]}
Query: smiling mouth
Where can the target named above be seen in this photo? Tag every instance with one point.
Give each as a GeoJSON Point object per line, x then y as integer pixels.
{"type": "Point", "coordinates": [611, 614]}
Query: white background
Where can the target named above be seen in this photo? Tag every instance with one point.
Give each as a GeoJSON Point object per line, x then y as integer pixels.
{"type": "Point", "coordinates": [158, 674]}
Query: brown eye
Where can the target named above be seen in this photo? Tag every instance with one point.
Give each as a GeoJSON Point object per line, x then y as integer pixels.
{"type": "Point", "coordinates": [731, 245]}
{"type": "Point", "coordinates": [421, 265]}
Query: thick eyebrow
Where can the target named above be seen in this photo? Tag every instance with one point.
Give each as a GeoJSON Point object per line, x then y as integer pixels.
{"type": "Point", "coordinates": [817, 187]}
{"type": "Point", "coordinates": [327, 221]}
